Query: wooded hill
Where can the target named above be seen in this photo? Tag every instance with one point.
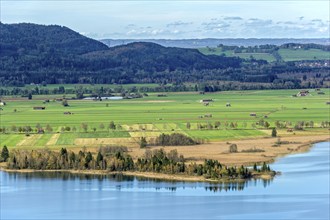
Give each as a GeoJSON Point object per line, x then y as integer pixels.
{"type": "Point", "coordinates": [32, 53]}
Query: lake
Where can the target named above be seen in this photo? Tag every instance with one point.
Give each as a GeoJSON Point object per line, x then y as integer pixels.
{"type": "Point", "coordinates": [300, 192]}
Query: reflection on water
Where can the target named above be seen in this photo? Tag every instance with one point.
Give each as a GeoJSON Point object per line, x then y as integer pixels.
{"type": "Point", "coordinates": [67, 176]}
{"type": "Point", "coordinates": [300, 192]}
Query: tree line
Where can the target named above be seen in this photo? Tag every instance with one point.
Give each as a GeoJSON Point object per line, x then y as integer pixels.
{"type": "Point", "coordinates": [157, 160]}
{"type": "Point", "coordinates": [168, 139]}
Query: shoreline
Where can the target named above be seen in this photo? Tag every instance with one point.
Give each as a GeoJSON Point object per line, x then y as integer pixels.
{"type": "Point", "coordinates": [147, 175]}
{"type": "Point", "coordinates": [302, 147]}
{"type": "Point", "coordinates": [219, 150]}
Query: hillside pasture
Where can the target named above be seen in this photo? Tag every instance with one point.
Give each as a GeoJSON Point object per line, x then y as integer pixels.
{"type": "Point", "coordinates": [301, 54]}
{"type": "Point", "coordinates": [286, 54]}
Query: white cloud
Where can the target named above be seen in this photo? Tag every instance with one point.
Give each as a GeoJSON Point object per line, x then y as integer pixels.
{"type": "Point", "coordinates": [179, 23]}
{"type": "Point", "coordinates": [177, 19]}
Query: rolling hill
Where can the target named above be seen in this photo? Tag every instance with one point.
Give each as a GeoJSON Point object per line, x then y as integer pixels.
{"type": "Point", "coordinates": [56, 54]}
{"type": "Point", "coordinates": [53, 54]}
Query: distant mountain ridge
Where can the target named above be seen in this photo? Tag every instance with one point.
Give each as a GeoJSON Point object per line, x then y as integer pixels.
{"type": "Point", "coordinates": [212, 42]}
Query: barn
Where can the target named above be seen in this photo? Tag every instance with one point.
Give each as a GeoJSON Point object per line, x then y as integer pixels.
{"type": "Point", "coordinates": [39, 108]}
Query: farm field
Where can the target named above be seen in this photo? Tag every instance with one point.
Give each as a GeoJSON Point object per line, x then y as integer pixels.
{"type": "Point", "coordinates": [301, 54]}
{"type": "Point", "coordinates": [230, 53]}
{"type": "Point", "coordinates": [286, 54]}
{"type": "Point", "coordinates": [151, 116]}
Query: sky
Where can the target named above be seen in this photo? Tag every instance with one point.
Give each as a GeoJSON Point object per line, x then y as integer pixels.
{"type": "Point", "coordinates": [176, 19]}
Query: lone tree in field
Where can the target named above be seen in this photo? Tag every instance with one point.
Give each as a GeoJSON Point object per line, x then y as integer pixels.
{"type": "Point", "coordinates": [143, 142]}
{"type": "Point", "coordinates": [65, 103]}
{"type": "Point", "coordinates": [84, 126]}
{"type": "Point", "coordinates": [112, 126]}
{"type": "Point", "coordinates": [4, 154]}
{"type": "Point", "coordinates": [274, 132]}
{"type": "Point", "coordinates": [233, 148]}
{"type": "Point", "coordinates": [49, 128]}
{"type": "Point", "coordinates": [13, 128]}
{"type": "Point", "coordinates": [188, 125]}
{"type": "Point", "coordinates": [266, 124]}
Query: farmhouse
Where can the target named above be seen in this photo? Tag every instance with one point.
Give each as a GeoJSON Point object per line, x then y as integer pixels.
{"type": "Point", "coordinates": [228, 104]}
{"type": "Point", "coordinates": [2, 103]}
{"type": "Point", "coordinates": [161, 95]}
{"type": "Point", "coordinates": [67, 113]}
{"type": "Point", "coordinates": [39, 108]}
{"type": "Point", "coordinates": [206, 100]}
{"type": "Point", "coordinates": [253, 114]}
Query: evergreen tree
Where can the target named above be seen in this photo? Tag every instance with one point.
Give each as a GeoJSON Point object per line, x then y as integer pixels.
{"type": "Point", "coordinates": [274, 132]}
{"type": "Point", "coordinates": [255, 168]}
{"type": "Point", "coordinates": [112, 126]}
{"type": "Point", "coordinates": [65, 103]}
{"type": "Point", "coordinates": [4, 154]}
{"type": "Point", "coordinates": [264, 167]}
{"type": "Point", "coordinates": [99, 157]}
{"type": "Point", "coordinates": [143, 142]}
{"type": "Point", "coordinates": [88, 159]}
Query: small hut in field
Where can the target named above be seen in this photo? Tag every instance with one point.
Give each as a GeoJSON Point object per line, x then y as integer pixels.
{"type": "Point", "coordinates": [253, 114]}
{"type": "Point", "coordinates": [303, 93]}
{"type": "Point", "coordinates": [39, 108]}
{"type": "Point", "coordinates": [206, 102]}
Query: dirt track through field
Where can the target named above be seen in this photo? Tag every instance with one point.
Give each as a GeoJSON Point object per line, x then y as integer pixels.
{"type": "Point", "coordinates": [106, 141]}
{"type": "Point", "coordinates": [30, 140]}
{"type": "Point", "coordinates": [53, 139]}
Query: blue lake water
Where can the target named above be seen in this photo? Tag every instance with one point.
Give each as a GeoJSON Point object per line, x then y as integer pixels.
{"type": "Point", "coordinates": [300, 192]}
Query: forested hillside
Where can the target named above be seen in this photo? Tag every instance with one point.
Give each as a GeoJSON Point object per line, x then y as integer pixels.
{"type": "Point", "coordinates": [54, 54]}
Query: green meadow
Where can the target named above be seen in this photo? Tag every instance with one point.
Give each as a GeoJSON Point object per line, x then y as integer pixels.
{"type": "Point", "coordinates": [301, 54]}
{"type": "Point", "coordinates": [153, 115]}
{"type": "Point", "coordinates": [286, 54]}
